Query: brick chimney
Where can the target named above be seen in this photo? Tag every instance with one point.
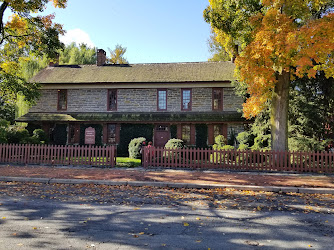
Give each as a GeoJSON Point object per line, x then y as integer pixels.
{"type": "Point", "coordinates": [55, 61]}
{"type": "Point", "coordinates": [100, 57]}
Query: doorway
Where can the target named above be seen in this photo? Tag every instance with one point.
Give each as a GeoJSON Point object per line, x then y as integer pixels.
{"type": "Point", "coordinates": [161, 135]}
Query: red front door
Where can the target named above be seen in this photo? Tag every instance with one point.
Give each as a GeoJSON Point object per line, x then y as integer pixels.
{"type": "Point", "coordinates": [161, 135]}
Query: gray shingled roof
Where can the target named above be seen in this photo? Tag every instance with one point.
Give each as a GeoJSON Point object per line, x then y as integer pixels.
{"type": "Point", "coordinates": [141, 73]}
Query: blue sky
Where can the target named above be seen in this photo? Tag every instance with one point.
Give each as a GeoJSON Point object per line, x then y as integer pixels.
{"type": "Point", "coordinates": [152, 30]}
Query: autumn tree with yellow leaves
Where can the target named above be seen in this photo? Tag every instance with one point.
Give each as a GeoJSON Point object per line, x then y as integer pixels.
{"type": "Point", "coordinates": [277, 40]}
{"type": "Point", "coordinates": [25, 32]}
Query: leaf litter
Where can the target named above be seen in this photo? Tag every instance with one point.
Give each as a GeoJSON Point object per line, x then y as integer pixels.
{"type": "Point", "coordinates": [218, 198]}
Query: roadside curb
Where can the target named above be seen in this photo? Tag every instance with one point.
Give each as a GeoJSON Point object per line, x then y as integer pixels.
{"type": "Point", "coordinates": [275, 189]}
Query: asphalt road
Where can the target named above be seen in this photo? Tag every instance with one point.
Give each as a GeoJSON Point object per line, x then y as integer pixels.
{"type": "Point", "coordinates": [39, 216]}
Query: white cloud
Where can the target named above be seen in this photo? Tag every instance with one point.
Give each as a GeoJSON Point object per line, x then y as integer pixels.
{"type": "Point", "coordinates": [78, 36]}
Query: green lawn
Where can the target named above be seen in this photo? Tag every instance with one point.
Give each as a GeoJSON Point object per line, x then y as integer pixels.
{"type": "Point", "coordinates": [127, 162]}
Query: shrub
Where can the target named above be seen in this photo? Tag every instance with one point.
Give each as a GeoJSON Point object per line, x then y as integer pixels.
{"type": "Point", "coordinates": [220, 141]}
{"type": "Point", "coordinates": [242, 138]}
{"type": "Point", "coordinates": [17, 135]}
{"type": "Point", "coordinates": [227, 147]}
{"type": "Point", "coordinates": [135, 146]}
{"type": "Point", "coordinates": [220, 144]}
{"type": "Point", "coordinates": [174, 144]}
{"type": "Point", "coordinates": [40, 136]}
{"type": "Point", "coordinates": [243, 147]}
{"type": "Point", "coordinates": [3, 130]}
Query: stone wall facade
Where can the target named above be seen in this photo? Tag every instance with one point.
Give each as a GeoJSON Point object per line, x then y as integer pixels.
{"type": "Point", "coordinates": [133, 100]}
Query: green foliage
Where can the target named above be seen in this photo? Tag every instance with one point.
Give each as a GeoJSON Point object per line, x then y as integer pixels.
{"type": "Point", "coordinates": [41, 136]}
{"type": "Point", "coordinates": [220, 144]}
{"type": "Point", "coordinates": [217, 50]}
{"type": "Point", "coordinates": [201, 135]}
{"type": "Point", "coordinates": [17, 135]}
{"type": "Point", "coordinates": [135, 147]}
{"type": "Point", "coordinates": [228, 147]}
{"type": "Point", "coordinates": [7, 110]}
{"type": "Point", "coordinates": [3, 130]}
{"type": "Point", "coordinates": [73, 54]}
{"type": "Point", "coordinates": [311, 113]}
{"type": "Point", "coordinates": [220, 141]}
{"type": "Point", "coordinates": [174, 144]}
{"type": "Point", "coordinates": [130, 131]}
{"type": "Point", "coordinates": [243, 138]}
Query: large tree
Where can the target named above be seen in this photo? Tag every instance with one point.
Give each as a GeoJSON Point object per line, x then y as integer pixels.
{"type": "Point", "coordinates": [25, 32]}
{"type": "Point", "coordinates": [278, 40]}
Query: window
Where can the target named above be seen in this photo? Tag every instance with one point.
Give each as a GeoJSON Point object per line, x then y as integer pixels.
{"type": "Point", "coordinates": [185, 136]}
{"type": "Point", "coordinates": [186, 99]}
{"type": "Point", "coordinates": [217, 99]}
{"type": "Point", "coordinates": [112, 99]}
{"type": "Point", "coordinates": [111, 134]}
{"type": "Point", "coordinates": [62, 99]}
{"type": "Point", "coordinates": [217, 130]}
{"type": "Point", "coordinates": [162, 99]}
{"type": "Point", "coordinates": [162, 128]}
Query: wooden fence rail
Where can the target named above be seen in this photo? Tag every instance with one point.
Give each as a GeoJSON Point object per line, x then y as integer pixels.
{"type": "Point", "coordinates": [317, 162]}
{"type": "Point", "coordinates": [58, 154]}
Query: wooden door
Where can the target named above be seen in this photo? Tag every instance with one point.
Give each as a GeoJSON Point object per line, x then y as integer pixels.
{"type": "Point", "coordinates": [161, 135]}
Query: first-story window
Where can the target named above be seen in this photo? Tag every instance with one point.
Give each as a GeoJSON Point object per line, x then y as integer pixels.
{"type": "Point", "coordinates": [217, 130]}
{"type": "Point", "coordinates": [62, 99]}
{"type": "Point", "coordinates": [111, 135]}
{"type": "Point", "coordinates": [185, 134]}
{"type": "Point", "coordinates": [112, 99]}
{"type": "Point", "coordinates": [162, 99]}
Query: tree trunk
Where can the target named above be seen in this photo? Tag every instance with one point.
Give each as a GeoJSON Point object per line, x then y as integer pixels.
{"type": "Point", "coordinates": [279, 113]}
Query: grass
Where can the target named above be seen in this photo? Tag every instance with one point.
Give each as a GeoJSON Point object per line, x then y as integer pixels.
{"type": "Point", "coordinates": [127, 162]}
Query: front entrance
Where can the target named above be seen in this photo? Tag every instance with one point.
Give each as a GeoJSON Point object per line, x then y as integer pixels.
{"type": "Point", "coordinates": [161, 135]}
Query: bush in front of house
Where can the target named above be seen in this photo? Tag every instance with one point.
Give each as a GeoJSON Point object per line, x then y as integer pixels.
{"type": "Point", "coordinates": [242, 138]}
{"type": "Point", "coordinates": [40, 136]}
{"type": "Point", "coordinates": [20, 135]}
{"type": "Point", "coordinates": [17, 135]}
{"type": "Point", "coordinates": [135, 146]}
{"type": "Point", "coordinates": [174, 144]}
{"type": "Point", "coordinates": [3, 130]}
{"type": "Point", "coordinates": [220, 144]}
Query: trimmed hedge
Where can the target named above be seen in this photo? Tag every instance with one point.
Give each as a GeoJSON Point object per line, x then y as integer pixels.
{"type": "Point", "coordinates": [135, 146]}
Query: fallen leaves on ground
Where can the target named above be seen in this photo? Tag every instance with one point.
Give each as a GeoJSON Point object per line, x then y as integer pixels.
{"type": "Point", "coordinates": [136, 196]}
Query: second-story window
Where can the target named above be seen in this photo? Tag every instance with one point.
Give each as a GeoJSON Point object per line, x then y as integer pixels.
{"type": "Point", "coordinates": [112, 99]}
{"type": "Point", "coordinates": [186, 99]}
{"type": "Point", "coordinates": [62, 99]}
{"type": "Point", "coordinates": [162, 99]}
{"type": "Point", "coordinates": [217, 99]}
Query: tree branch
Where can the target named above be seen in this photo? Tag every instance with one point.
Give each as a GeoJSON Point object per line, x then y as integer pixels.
{"type": "Point", "coordinates": [3, 7]}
